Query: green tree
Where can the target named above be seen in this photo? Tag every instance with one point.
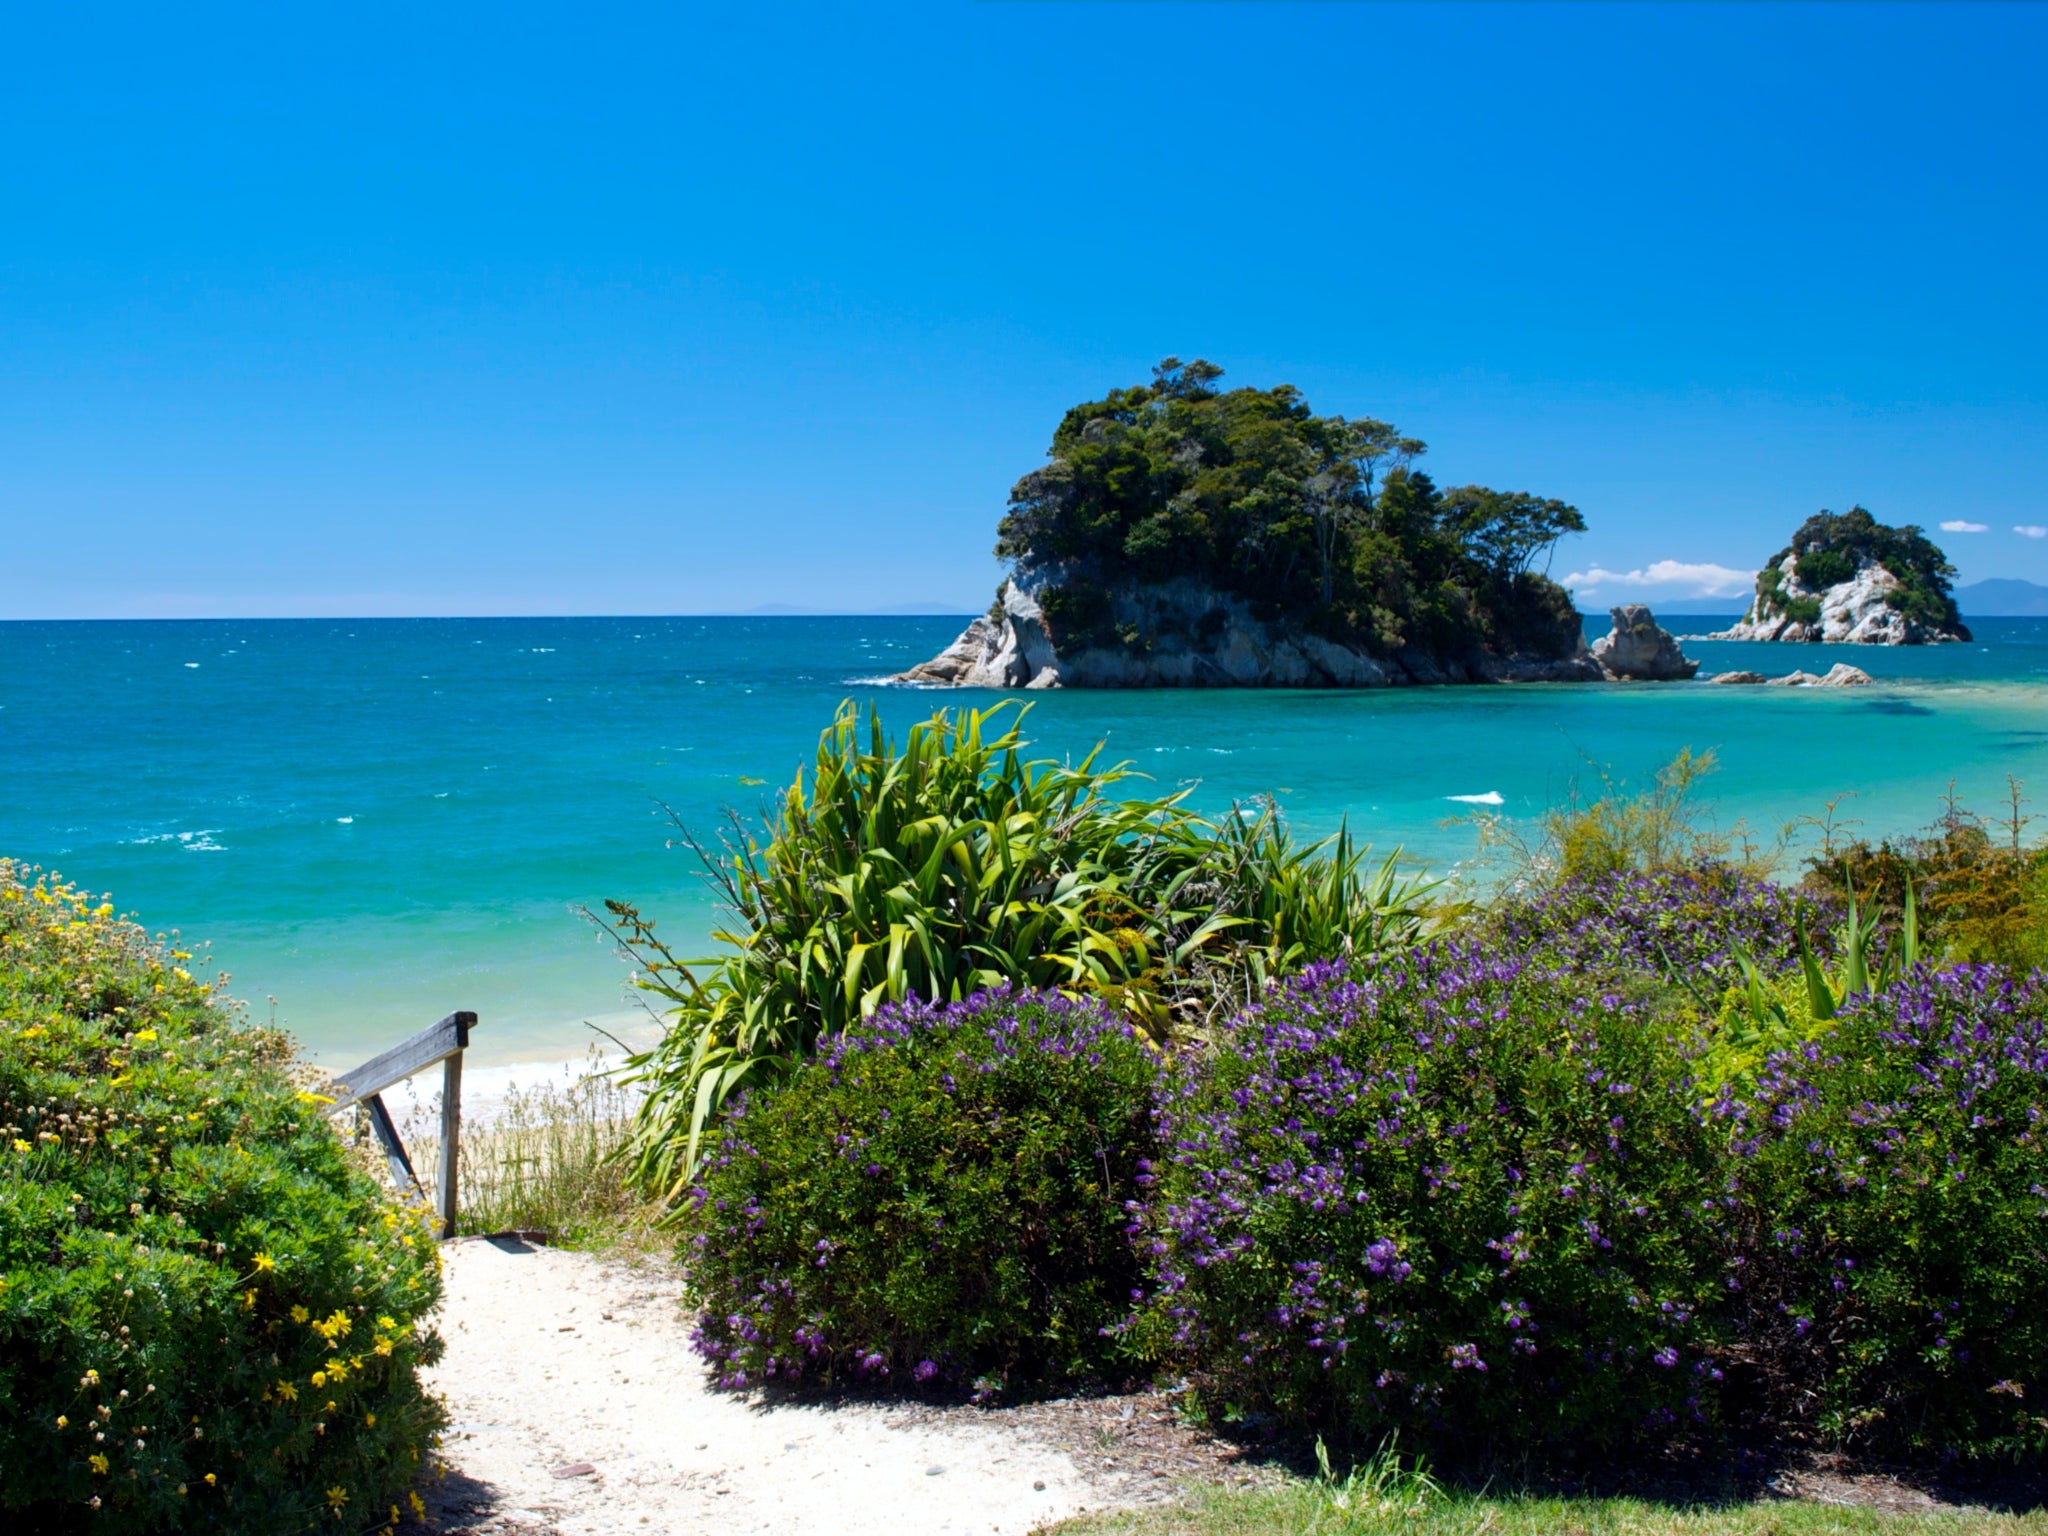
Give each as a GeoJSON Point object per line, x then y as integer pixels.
{"type": "Point", "coordinates": [1316, 521]}
{"type": "Point", "coordinates": [1507, 530]}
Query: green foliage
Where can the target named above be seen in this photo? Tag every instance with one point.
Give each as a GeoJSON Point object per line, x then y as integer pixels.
{"type": "Point", "coordinates": [1317, 520]}
{"type": "Point", "coordinates": [954, 864]}
{"type": "Point", "coordinates": [1982, 889]}
{"type": "Point", "coordinates": [1302, 1507]}
{"type": "Point", "coordinates": [1775, 1010]}
{"type": "Point", "coordinates": [1829, 549]}
{"type": "Point", "coordinates": [1383, 1487]}
{"type": "Point", "coordinates": [1290, 904]}
{"type": "Point", "coordinates": [210, 1316]}
{"type": "Point", "coordinates": [943, 1199]}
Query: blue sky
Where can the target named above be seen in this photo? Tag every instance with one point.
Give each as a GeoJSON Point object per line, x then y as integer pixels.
{"type": "Point", "coordinates": [366, 310]}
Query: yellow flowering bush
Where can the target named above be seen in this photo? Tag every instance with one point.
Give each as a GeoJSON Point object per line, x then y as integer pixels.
{"type": "Point", "coordinates": [211, 1316]}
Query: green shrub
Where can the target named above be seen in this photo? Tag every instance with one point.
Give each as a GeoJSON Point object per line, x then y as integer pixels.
{"type": "Point", "coordinates": [1895, 1189]}
{"type": "Point", "coordinates": [1982, 888]}
{"type": "Point", "coordinates": [210, 1317]}
{"type": "Point", "coordinates": [1617, 831]}
{"type": "Point", "coordinates": [947, 1197]}
{"type": "Point", "coordinates": [1445, 1196]}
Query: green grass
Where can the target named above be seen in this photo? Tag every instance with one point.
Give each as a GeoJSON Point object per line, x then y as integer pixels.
{"type": "Point", "coordinates": [1318, 1509]}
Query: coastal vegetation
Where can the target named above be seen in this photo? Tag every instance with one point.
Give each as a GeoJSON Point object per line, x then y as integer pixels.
{"type": "Point", "coordinates": [1651, 1153]}
{"type": "Point", "coordinates": [211, 1317]}
{"type": "Point", "coordinates": [1005, 1082]}
{"type": "Point", "coordinates": [546, 1161]}
{"type": "Point", "coordinates": [1379, 1503]}
{"type": "Point", "coordinates": [955, 863]}
{"type": "Point", "coordinates": [1981, 887]}
{"type": "Point", "coordinates": [1319, 523]}
{"type": "Point", "coordinates": [945, 1199]}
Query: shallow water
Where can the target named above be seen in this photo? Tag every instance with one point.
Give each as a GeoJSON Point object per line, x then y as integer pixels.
{"type": "Point", "coordinates": [377, 821]}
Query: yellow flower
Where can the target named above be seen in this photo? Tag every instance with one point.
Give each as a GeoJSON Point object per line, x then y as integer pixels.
{"type": "Point", "coordinates": [264, 1263]}
{"type": "Point", "coordinates": [300, 1314]}
{"type": "Point", "coordinates": [336, 1497]}
{"type": "Point", "coordinates": [383, 1346]}
{"type": "Point", "coordinates": [287, 1391]}
{"type": "Point", "coordinates": [22, 1146]}
{"type": "Point", "coordinates": [62, 1421]}
{"type": "Point", "coordinates": [385, 1322]}
{"type": "Point", "coordinates": [314, 1098]}
{"type": "Point", "coordinates": [319, 1378]}
{"type": "Point", "coordinates": [248, 1301]}
{"type": "Point", "coordinates": [419, 1508]}
{"type": "Point", "coordinates": [99, 1463]}
{"type": "Point", "coordinates": [370, 1420]}
{"type": "Point", "coordinates": [209, 1479]}
{"type": "Point", "coordinates": [145, 1035]}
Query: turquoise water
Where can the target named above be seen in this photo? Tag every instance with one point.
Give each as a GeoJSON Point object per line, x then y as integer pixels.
{"type": "Point", "coordinates": [377, 821]}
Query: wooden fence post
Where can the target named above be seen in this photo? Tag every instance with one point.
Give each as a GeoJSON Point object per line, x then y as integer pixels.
{"type": "Point", "coordinates": [444, 1043]}
{"type": "Point", "coordinates": [451, 1139]}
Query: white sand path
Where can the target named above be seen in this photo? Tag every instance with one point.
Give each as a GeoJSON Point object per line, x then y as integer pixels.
{"type": "Point", "coordinates": [559, 1361]}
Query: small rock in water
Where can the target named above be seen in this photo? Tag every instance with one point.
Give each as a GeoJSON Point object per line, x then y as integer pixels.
{"type": "Point", "coordinates": [575, 1469]}
{"type": "Point", "coordinates": [934, 1471]}
{"type": "Point", "coordinates": [1639, 649]}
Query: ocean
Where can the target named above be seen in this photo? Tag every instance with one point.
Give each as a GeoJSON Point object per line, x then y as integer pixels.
{"type": "Point", "coordinates": [375, 822]}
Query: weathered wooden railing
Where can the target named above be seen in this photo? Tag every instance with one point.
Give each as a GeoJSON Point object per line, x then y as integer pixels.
{"type": "Point", "coordinates": [364, 1088]}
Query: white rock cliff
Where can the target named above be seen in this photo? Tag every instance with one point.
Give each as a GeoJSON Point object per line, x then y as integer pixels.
{"type": "Point", "coordinates": [1852, 612]}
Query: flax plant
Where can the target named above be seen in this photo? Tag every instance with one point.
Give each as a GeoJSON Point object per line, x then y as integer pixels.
{"type": "Point", "coordinates": [955, 863]}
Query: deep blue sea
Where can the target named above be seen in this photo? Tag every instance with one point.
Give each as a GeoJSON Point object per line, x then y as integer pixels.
{"type": "Point", "coordinates": [377, 821]}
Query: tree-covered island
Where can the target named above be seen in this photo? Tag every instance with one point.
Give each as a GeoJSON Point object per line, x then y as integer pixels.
{"type": "Point", "coordinates": [1181, 533]}
{"type": "Point", "coordinates": [1848, 578]}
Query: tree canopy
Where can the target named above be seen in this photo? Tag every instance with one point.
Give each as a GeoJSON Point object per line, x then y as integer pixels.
{"type": "Point", "coordinates": [1322, 521]}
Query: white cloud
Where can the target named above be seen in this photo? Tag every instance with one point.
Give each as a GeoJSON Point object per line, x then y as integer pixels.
{"type": "Point", "coordinates": [2030, 530]}
{"type": "Point", "coordinates": [1699, 580]}
{"type": "Point", "coordinates": [1957, 525]}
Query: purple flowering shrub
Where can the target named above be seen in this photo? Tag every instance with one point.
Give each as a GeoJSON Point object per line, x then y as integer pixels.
{"type": "Point", "coordinates": [1684, 925]}
{"type": "Point", "coordinates": [948, 1195]}
{"type": "Point", "coordinates": [1896, 1271]}
{"type": "Point", "coordinates": [1446, 1195]}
